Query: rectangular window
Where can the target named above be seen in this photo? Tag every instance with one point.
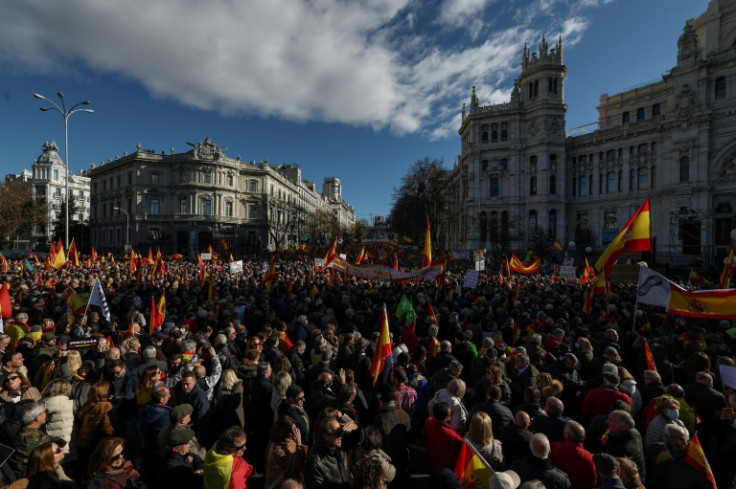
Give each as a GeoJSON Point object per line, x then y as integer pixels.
{"type": "Point", "coordinates": [130, 179]}
{"type": "Point", "coordinates": [182, 206]}
{"type": "Point", "coordinates": [229, 209]}
{"type": "Point", "coordinates": [183, 177]}
{"type": "Point", "coordinates": [207, 177]}
{"type": "Point", "coordinates": [253, 186]}
{"type": "Point", "coordinates": [154, 178]}
{"type": "Point", "coordinates": [252, 212]}
{"type": "Point", "coordinates": [206, 207]}
{"type": "Point", "coordinates": [494, 185]}
{"type": "Point", "coordinates": [155, 207]}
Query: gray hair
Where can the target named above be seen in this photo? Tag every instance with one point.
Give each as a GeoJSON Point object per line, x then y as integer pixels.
{"type": "Point", "coordinates": [189, 345]}
{"type": "Point", "coordinates": [575, 431]}
{"type": "Point", "coordinates": [29, 412]}
{"type": "Point", "coordinates": [149, 352]}
{"type": "Point", "coordinates": [671, 427]}
{"type": "Point", "coordinates": [539, 445]}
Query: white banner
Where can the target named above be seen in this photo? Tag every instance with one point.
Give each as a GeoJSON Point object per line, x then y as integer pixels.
{"type": "Point", "coordinates": [654, 289]}
{"type": "Point", "coordinates": [471, 279]}
{"type": "Point", "coordinates": [480, 265]}
{"type": "Point", "coordinates": [206, 256]}
{"type": "Point", "coordinates": [236, 266]}
{"type": "Point", "coordinates": [568, 273]}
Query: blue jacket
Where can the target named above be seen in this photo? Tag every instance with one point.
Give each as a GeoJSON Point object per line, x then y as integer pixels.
{"type": "Point", "coordinates": [152, 418]}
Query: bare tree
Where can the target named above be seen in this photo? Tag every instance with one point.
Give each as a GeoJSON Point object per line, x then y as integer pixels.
{"type": "Point", "coordinates": [20, 211]}
{"type": "Point", "coordinates": [284, 219]}
{"type": "Point", "coordinates": [322, 226]}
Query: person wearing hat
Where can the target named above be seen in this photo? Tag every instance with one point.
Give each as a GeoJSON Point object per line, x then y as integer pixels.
{"type": "Point", "coordinates": [609, 471]}
{"type": "Point", "coordinates": [179, 418]}
{"type": "Point", "coordinates": [504, 480]}
{"type": "Point", "coordinates": [598, 401]}
{"type": "Point", "coordinates": [182, 468]}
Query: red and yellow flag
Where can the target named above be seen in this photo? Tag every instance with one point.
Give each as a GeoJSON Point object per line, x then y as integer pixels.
{"type": "Point", "coordinates": [331, 253]}
{"type": "Point", "coordinates": [557, 245]}
{"type": "Point", "coordinates": [696, 278]}
{"type": "Point", "coordinates": [270, 275]}
{"type": "Point", "coordinates": [430, 313]}
{"type": "Point", "coordinates": [634, 236]}
{"type": "Point", "coordinates": [225, 245]}
{"type": "Point", "coordinates": [158, 312]}
{"type": "Point", "coordinates": [383, 349]}
{"type": "Point", "coordinates": [73, 254]}
{"type": "Point", "coordinates": [361, 256]}
{"type": "Point", "coordinates": [427, 253]}
{"type": "Point", "coordinates": [516, 265]}
{"type": "Point", "coordinates": [94, 255]}
{"type": "Point", "coordinates": [471, 468]}
{"type": "Point", "coordinates": [725, 280]}
{"type": "Point", "coordinates": [59, 258]}
{"type": "Point", "coordinates": [4, 263]}
{"type": "Point", "coordinates": [74, 305]}
{"type": "Point", "coordinates": [650, 358]}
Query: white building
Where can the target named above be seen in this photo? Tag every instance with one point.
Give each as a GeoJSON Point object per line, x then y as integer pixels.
{"type": "Point", "coordinates": [47, 175]}
{"type": "Point", "coordinates": [184, 202]}
{"type": "Point", "coordinates": [520, 180]}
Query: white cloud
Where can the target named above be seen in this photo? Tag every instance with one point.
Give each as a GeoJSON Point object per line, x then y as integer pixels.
{"type": "Point", "coordinates": [375, 63]}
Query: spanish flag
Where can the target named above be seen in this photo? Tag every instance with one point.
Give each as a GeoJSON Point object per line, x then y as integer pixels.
{"type": "Point", "coordinates": [650, 358]}
{"type": "Point", "coordinates": [516, 265]}
{"type": "Point", "coordinates": [427, 253]}
{"type": "Point", "coordinates": [471, 468]}
{"type": "Point", "coordinates": [361, 256]}
{"type": "Point", "coordinates": [725, 279]}
{"type": "Point", "coordinates": [557, 245]}
{"type": "Point", "coordinates": [270, 275]}
{"type": "Point", "coordinates": [331, 253]}
{"type": "Point", "coordinates": [634, 236]}
{"type": "Point", "coordinates": [383, 349]}
{"type": "Point", "coordinates": [696, 278]}
{"type": "Point", "coordinates": [73, 254]}
{"type": "Point", "coordinates": [158, 312]}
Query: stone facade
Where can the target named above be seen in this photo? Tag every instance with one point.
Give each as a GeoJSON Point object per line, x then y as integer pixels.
{"type": "Point", "coordinates": [521, 180]}
{"type": "Point", "coordinates": [183, 202]}
{"type": "Point", "coordinates": [47, 175]}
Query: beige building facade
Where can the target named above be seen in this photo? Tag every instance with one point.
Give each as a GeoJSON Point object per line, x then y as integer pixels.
{"type": "Point", "coordinates": [184, 202]}
{"type": "Point", "coordinates": [523, 181]}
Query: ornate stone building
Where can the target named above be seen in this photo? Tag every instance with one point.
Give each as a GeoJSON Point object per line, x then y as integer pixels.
{"type": "Point", "coordinates": [521, 181]}
{"type": "Point", "coordinates": [183, 202]}
{"type": "Point", "coordinates": [47, 175]}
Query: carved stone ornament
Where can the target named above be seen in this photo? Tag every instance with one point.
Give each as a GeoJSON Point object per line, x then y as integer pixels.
{"type": "Point", "coordinates": [727, 172]}
{"type": "Point", "coordinates": [206, 150]}
{"type": "Point", "coordinates": [685, 101]}
{"type": "Point", "coordinates": [687, 45]}
{"type": "Point", "coordinates": [532, 128]}
{"type": "Point", "coordinates": [552, 126]}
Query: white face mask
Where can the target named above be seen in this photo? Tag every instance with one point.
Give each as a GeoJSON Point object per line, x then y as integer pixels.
{"type": "Point", "coordinates": [672, 413]}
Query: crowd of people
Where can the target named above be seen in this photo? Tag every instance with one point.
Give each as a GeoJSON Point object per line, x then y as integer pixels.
{"type": "Point", "coordinates": [273, 386]}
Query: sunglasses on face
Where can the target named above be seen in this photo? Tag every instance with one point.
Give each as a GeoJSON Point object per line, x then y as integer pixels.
{"type": "Point", "coordinates": [15, 377]}
{"type": "Point", "coordinates": [119, 456]}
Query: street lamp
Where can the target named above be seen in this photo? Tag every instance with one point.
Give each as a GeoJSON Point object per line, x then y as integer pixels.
{"type": "Point", "coordinates": [127, 227]}
{"type": "Point", "coordinates": [65, 113]}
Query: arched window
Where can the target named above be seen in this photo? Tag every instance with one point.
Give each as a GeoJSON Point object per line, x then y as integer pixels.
{"type": "Point", "coordinates": [640, 114]}
{"type": "Point", "coordinates": [483, 227]}
{"type": "Point", "coordinates": [720, 87]}
{"type": "Point", "coordinates": [484, 133]}
{"type": "Point", "coordinates": [494, 133]}
{"type": "Point", "coordinates": [552, 228]}
{"type": "Point", "coordinates": [532, 222]}
{"type": "Point", "coordinates": [505, 226]}
{"type": "Point", "coordinates": [625, 117]}
{"type": "Point", "coordinates": [643, 177]}
{"type": "Point", "coordinates": [656, 111]}
{"type": "Point", "coordinates": [494, 226]}
{"type": "Point", "coordinates": [552, 185]}
{"type": "Point", "coordinates": [684, 169]}
{"type": "Point", "coordinates": [533, 185]}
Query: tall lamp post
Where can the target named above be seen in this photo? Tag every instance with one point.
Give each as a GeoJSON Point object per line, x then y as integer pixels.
{"type": "Point", "coordinates": [66, 114]}
{"type": "Point", "coordinates": [127, 227]}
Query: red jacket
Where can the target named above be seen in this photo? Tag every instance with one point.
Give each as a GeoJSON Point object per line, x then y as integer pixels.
{"type": "Point", "coordinates": [443, 445]}
{"type": "Point", "coordinates": [577, 462]}
{"type": "Point", "coordinates": [598, 401]}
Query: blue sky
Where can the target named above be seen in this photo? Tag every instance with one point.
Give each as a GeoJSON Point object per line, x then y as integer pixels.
{"type": "Point", "coordinates": [358, 89]}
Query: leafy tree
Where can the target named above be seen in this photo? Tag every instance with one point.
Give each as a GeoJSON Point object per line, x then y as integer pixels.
{"type": "Point", "coordinates": [422, 195]}
{"type": "Point", "coordinates": [20, 212]}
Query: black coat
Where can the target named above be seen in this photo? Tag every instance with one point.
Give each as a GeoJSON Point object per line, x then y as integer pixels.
{"type": "Point", "coordinates": [516, 442]}
{"type": "Point", "coordinates": [532, 468]}
{"type": "Point", "coordinates": [627, 444]}
{"type": "Point", "coordinates": [501, 416]}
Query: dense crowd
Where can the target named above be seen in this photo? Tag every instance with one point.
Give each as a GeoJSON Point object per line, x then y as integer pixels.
{"type": "Point", "coordinates": [272, 387]}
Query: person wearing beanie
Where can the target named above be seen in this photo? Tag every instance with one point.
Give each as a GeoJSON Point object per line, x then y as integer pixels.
{"type": "Point", "coordinates": [609, 471]}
